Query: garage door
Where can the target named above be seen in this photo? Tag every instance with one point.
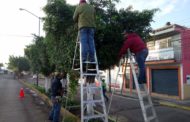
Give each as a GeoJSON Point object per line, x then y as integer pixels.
{"type": "Point", "coordinates": [165, 81]}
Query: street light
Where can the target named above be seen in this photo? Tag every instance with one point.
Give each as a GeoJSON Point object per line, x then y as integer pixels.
{"type": "Point", "coordinates": [22, 9]}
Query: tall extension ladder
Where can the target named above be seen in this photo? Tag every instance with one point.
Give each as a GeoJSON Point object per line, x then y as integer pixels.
{"type": "Point", "coordinates": [147, 107]}
{"type": "Point", "coordinates": [89, 101]}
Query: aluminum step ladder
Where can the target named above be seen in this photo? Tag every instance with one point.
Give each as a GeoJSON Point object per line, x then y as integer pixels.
{"type": "Point", "coordinates": [147, 107]}
{"type": "Point", "coordinates": [92, 99]}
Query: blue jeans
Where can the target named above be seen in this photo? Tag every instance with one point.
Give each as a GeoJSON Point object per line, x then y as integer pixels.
{"type": "Point", "coordinates": [104, 94]}
{"type": "Point", "coordinates": [55, 112]}
{"type": "Point", "coordinates": [87, 42]}
{"type": "Point", "coordinates": [140, 58]}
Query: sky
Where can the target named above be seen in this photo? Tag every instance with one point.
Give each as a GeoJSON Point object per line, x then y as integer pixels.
{"type": "Point", "coordinates": [17, 27]}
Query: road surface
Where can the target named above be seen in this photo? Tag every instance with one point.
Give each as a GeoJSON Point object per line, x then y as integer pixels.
{"type": "Point", "coordinates": [14, 109]}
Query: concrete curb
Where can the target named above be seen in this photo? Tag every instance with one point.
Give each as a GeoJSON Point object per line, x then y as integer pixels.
{"type": "Point", "coordinates": [169, 104]}
{"type": "Point", "coordinates": [64, 112]}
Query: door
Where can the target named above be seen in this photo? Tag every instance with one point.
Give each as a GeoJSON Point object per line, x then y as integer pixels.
{"type": "Point", "coordinates": [165, 81]}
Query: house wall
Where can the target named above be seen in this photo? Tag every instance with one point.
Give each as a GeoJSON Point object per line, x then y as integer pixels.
{"type": "Point", "coordinates": [185, 44]}
{"type": "Point", "coordinates": [185, 58]}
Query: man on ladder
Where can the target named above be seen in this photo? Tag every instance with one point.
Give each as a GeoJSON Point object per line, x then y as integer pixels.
{"type": "Point", "coordinates": [138, 47]}
{"type": "Point", "coordinates": [134, 44]}
{"type": "Point", "coordinates": [84, 15]}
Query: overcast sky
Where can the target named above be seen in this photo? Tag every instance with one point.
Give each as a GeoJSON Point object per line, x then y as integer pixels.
{"type": "Point", "coordinates": [17, 26]}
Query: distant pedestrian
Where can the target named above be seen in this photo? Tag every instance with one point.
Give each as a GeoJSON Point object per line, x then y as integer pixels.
{"type": "Point", "coordinates": [104, 90]}
{"type": "Point", "coordinates": [56, 94]}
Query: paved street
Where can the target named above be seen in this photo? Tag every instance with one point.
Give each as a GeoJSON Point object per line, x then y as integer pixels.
{"type": "Point", "coordinates": [127, 109]}
{"type": "Point", "coordinates": [14, 109]}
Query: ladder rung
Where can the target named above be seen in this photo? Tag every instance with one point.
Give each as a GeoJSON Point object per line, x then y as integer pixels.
{"type": "Point", "coordinates": [77, 69]}
{"type": "Point", "coordinates": [91, 69]}
{"type": "Point", "coordinates": [90, 74]}
{"type": "Point", "coordinates": [147, 106]}
{"type": "Point", "coordinates": [144, 94]}
{"type": "Point", "coordinates": [151, 118]}
{"type": "Point", "coordinates": [121, 74]}
{"type": "Point", "coordinates": [92, 101]}
{"type": "Point", "coordinates": [88, 62]}
{"type": "Point", "coordinates": [94, 116]}
{"type": "Point", "coordinates": [76, 59]}
{"type": "Point", "coordinates": [92, 87]}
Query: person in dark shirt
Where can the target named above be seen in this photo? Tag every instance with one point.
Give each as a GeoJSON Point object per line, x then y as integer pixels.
{"type": "Point", "coordinates": [56, 93]}
{"type": "Point", "coordinates": [138, 47]}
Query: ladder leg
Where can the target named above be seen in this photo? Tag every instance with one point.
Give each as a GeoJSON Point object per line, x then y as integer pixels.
{"type": "Point", "coordinates": [88, 102]}
{"type": "Point", "coordinates": [140, 89]}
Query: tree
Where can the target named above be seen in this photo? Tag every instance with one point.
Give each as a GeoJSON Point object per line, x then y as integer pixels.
{"type": "Point", "coordinates": [1, 65]}
{"type": "Point", "coordinates": [60, 36]}
{"type": "Point", "coordinates": [18, 64]}
{"type": "Point", "coordinates": [32, 53]}
{"type": "Point", "coordinates": [60, 33]}
{"type": "Point", "coordinates": [38, 57]}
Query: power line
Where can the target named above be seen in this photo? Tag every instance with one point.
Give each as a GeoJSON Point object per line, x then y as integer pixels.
{"type": "Point", "coordinates": [13, 35]}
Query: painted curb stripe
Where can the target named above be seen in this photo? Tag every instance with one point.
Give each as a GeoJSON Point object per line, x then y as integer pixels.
{"type": "Point", "coordinates": [175, 105]}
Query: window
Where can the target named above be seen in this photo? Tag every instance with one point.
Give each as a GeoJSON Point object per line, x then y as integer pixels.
{"type": "Point", "coordinates": [163, 43]}
{"type": "Point", "coordinates": [151, 45]}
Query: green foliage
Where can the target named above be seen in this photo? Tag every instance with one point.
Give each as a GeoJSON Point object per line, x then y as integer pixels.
{"type": "Point", "coordinates": [111, 23]}
{"type": "Point", "coordinates": [70, 102]}
{"type": "Point", "coordinates": [18, 64]}
{"type": "Point", "coordinates": [137, 21]}
{"type": "Point", "coordinates": [40, 89]}
{"type": "Point", "coordinates": [70, 119]}
{"type": "Point", "coordinates": [73, 83]}
{"type": "Point", "coordinates": [61, 35]}
{"type": "Point", "coordinates": [1, 65]}
{"type": "Point", "coordinates": [38, 57]}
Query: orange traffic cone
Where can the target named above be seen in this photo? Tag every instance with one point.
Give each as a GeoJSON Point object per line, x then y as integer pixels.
{"type": "Point", "coordinates": [21, 93]}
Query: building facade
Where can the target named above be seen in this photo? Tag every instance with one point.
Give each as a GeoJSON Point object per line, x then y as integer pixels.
{"type": "Point", "coordinates": [168, 62]}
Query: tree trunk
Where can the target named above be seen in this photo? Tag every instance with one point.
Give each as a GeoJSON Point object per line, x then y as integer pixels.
{"type": "Point", "coordinates": [37, 78]}
{"type": "Point", "coordinates": [109, 72]}
{"type": "Point", "coordinates": [47, 84]}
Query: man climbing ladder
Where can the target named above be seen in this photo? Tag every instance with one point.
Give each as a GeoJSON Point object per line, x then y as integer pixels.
{"type": "Point", "coordinates": [85, 16]}
{"type": "Point", "coordinates": [138, 47]}
{"type": "Point", "coordinates": [133, 43]}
